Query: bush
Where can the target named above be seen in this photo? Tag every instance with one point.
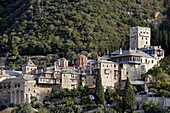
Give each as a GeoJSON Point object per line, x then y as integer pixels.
{"type": "Point", "coordinates": [22, 108]}
{"type": "Point", "coordinates": [85, 101]}
{"type": "Point", "coordinates": [2, 107]}
{"type": "Point", "coordinates": [152, 107]}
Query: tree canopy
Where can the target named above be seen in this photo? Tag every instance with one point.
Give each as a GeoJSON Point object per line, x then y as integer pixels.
{"type": "Point", "coordinates": [99, 92]}
{"type": "Point", "coordinates": [129, 100]}
{"type": "Point", "coordinates": [49, 26]}
{"type": "Point", "coordinates": [22, 108]}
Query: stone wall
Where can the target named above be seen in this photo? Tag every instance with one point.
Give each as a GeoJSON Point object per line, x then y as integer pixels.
{"type": "Point", "coordinates": [141, 99]}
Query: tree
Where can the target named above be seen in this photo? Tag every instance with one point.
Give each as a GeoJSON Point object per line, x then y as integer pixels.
{"type": "Point", "coordinates": [56, 93]}
{"type": "Point", "coordinates": [68, 101]}
{"type": "Point", "coordinates": [85, 53]}
{"type": "Point", "coordinates": [152, 107]}
{"type": "Point", "coordinates": [65, 109]}
{"type": "Point", "coordinates": [94, 55]}
{"type": "Point", "coordinates": [14, 48]}
{"type": "Point", "coordinates": [119, 105]}
{"type": "Point", "coordinates": [99, 92]}
{"type": "Point", "coordinates": [33, 100]}
{"type": "Point", "coordinates": [110, 95]}
{"type": "Point", "coordinates": [71, 56]}
{"type": "Point", "coordinates": [129, 100]}
{"type": "Point", "coordinates": [77, 108]}
{"type": "Point", "coordinates": [22, 108]}
{"type": "Point", "coordinates": [85, 100]}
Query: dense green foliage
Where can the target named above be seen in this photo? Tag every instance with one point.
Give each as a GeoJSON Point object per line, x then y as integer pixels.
{"type": "Point", "coordinates": [82, 93]}
{"type": "Point", "coordinates": [40, 61]}
{"type": "Point", "coordinates": [64, 109]}
{"type": "Point", "coordinates": [33, 100]}
{"type": "Point", "coordinates": [129, 100]}
{"type": "Point", "coordinates": [59, 93]}
{"type": "Point", "coordinates": [2, 107]}
{"type": "Point", "coordinates": [36, 27]}
{"type": "Point", "coordinates": [99, 92]}
{"type": "Point", "coordinates": [22, 108]}
{"type": "Point", "coordinates": [160, 83]}
{"type": "Point", "coordinates": [111, 95]}
{"type": "Point", "coordinates": [165, 65]}
{"type": "Point", "coordinates": [152, 107]}
{"type": "Point", "coordinates": [85, 101]}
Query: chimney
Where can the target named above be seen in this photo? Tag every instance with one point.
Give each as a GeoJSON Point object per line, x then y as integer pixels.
{"type": "Point", "coordinates": [36, 71]}
{"type": "Point", "coordinates": [83, 68]}
{"type": "Point", "coordinates": [90, 68]}
{"type": "Point", "coordinates": [107, 51]}
{"type": "Point", "coordinates": [55, 66]}
{"type": "Point", "coordinates": [41, 70]}
{"type": "Point", "coordinates": [120, 51]}
{"type": "Point", "coordinates": [1, 71]}
{"type": "Point", "coordinates": [98, 58]}
{"type": "Point", "coordinates": [129, 49]}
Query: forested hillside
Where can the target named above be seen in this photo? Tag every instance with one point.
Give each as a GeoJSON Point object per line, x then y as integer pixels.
{"type": "Point", "coordinates": [40, 27]}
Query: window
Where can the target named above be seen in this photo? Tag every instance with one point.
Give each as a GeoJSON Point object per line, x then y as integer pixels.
{"type": "Point", "coordinates": [114, 65]}
{"type": "Point", "coordinates": [34, 91]}
{"type": "Point", "coordinates": [127, 73]}
{"type": "Point", "coordinates": [142, 38]}
{"type": "Point", "coordinates": [15, 85]}
{"type": "Point", "coordinates": [107, 71]}
{"type": "Point", "coordinates": [152, 61]}
{"type": "Point", "coordinates": [146, 42]}
{"type": "Point", "coordinates": [146, 38]}
{"type": "Point", "coordinates": [115, 77]}
{"type": "Point", "coordinates": [18, 84]}
{"type": "Point", "coordinates": [107, 77]}
{"type": "Point", "coordinates": [48, 91]}
{"type": "Point", "coordinates": [103, 65]}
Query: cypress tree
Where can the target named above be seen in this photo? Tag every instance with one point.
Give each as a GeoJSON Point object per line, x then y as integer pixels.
{"type": "Point", "coordinates": [99, 92]}
{"type": "Point", "coordinates": [129, 100]}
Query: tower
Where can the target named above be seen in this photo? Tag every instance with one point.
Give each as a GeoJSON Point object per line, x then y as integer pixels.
{"type": "Point", "coordinates": [29, 67]}
{"type": "Point", "coordinates": [139, 37]}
